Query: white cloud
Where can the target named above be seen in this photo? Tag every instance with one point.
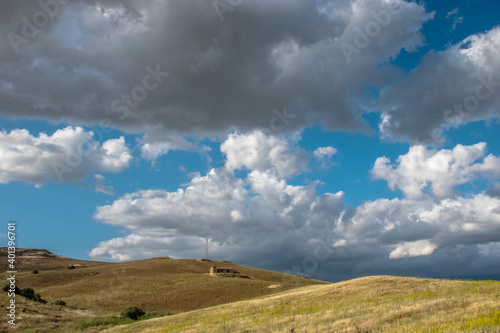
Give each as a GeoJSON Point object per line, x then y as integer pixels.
{"type": "Point", "coordinates": [260, 212]}
{"type": "Point", "coordinates": [413, 249]}
{"type": "Point", "coordinates": [456, 18]}
{"type": "Point", "coordinates": [113, 155]}
{"type": "Point", "coordinates": [404, 222]}
{"type": "Point", "coordinates": [324, 154]}
{"type": "Point", "coordinates": [156, 143]}
{"type": "Point", "coordinates": [451, 13]}
{"type": "Point", "coordinates": [149, 246]}
{"type": "Point", "coordinates": [290, 227]}
{"type": "Point", "coordinates": [441, 170]}
{"type": "Point", "coordinates": [258, 151]}
{"type": "Point", "coordinates": [67, 155]}
{"type": "Point", "coordinates": [100, 185]}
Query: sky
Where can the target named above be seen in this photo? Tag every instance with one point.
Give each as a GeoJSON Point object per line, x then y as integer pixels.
{"type": "Point", "coordinates": [331, 138]}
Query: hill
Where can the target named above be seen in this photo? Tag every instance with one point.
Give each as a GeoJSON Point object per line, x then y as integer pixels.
{"type": "Point", "coordinates": [370, 304]}
{"type": "Point", "coordinates": [95, 290]}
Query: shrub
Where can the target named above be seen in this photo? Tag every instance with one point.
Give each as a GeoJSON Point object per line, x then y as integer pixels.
{"type": "Point", "coordinates": [35, 271]}
{"type": "Point", "coordinates": [60, 302]}
{"type": "Point", "coordinates": [27, 292]}
{"type": "Point", "coordinates": [133, 313]}
{"type": "Point", "coordinates": [71, 267]}
{"type": "Point", "coordinates": [30, 294]}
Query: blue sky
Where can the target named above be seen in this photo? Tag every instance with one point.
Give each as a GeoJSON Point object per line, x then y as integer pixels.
{"type": "Point", "coordinates": [368, 131]}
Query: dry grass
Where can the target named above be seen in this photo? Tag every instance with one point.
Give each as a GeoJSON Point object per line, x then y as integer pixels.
{"type": "Point", "coordinates": [155, 284]}
{"type": "Point", "coordinates": [372, 304]}
{"type": "Point", "coordinates": [106, 289]}
{"type": "Point", "coordinates": [36, 317]}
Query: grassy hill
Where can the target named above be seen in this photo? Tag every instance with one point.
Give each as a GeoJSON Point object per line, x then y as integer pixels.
{"type": "Point", "coordinates": [371, 304]}
{"type": "Point", "coordinates": [96, 292]}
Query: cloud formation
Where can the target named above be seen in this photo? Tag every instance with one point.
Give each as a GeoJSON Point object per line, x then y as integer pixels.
{"type": "Point", "coordinates": [258, 151]}
{"type": "Point", "coordinates": [440, 170]}
{"type": "Point", "coordinates": [175, 72]}
{"type": "Point", "coordinates": [449, 88]}
{"type": "Point", "coordinates": [323, 155]}
{"type": "Point", "coordinates": [100, 185]}
{"type": "Point", "coordinates": [67, 155]}
{"type": "Point", "coordinates": [292, 228]}
{"type": "Point", "coordinates": [121, 63]}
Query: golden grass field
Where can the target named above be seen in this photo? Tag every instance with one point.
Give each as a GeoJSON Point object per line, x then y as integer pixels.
{"type": "Point", "coordinates": [96, 293]}
{"type": "Point", "coordinates": [370, 304]}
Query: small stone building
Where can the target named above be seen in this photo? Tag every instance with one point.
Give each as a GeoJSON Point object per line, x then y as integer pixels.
{"type": "Point", "coordinates": [222, 270]}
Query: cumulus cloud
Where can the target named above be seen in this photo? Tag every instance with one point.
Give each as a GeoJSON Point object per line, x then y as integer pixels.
{"type": "Point", "coordinates": [217, 80]}
{"type": "Point", "coordinates": [100, 185]}
{"type": "Point", "coordinates": [291, 228]}
{"type": "Point", "coordinates": [440, 170]}
{"type": "Point", "coordinates": [67, 155]}
{"type": "Point", "coordinates": [149, 246]}
{"type": "Point", "coordinates": [413, 249]}
{"type": "Point", "coordinates": [416, 228]}
{"type": "Point", "coordinates": [449, 88]}
{"type": "Point", "coordinates": [258, 151]}
{"type": "Point", "coordinates": [260, 212]}
{"type": "Point", "coordinates": [205, 77]}
{"type": "Point", "coordinates": [324, 154]}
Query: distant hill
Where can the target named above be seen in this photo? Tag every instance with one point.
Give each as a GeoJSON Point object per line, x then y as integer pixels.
{"type": "Point", "coordinates": [29, 259]}
{"type": "Point", "coordinates": [158, 284]}
{"type": "Point", "coordinates": [370, 304]}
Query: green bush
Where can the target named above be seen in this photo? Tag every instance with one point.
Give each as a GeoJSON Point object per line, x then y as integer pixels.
{"type": "Point", "coordinates": [71, 267]}
{"type": "Point", "coordinates": [133, 313]}
{"type": "Point", "coordinates": [27, 292]}
{"type": "Point", "coordinates": [60, 302]}
{"type": "Point", "coordinates": [30, 294]}
{"type": "Point", "coordinates": [35, 271]}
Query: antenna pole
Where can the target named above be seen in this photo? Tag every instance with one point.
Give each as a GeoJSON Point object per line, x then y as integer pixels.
{"type": "Point", "coordinates": [206, 249]}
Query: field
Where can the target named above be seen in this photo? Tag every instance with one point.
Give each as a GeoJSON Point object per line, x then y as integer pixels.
{"type": "Point", "coordinates": [181, 297]}
{"type": "Point", "coordinates": [96, 292]}
{"type": "Point", "coordinates": [371, 304]}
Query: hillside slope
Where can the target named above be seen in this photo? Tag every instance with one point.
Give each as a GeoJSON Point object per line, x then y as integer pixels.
{"type": "Point", "coordinates": [158, 284]}
{"type": "Point", "coordinates": [371, 304]}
